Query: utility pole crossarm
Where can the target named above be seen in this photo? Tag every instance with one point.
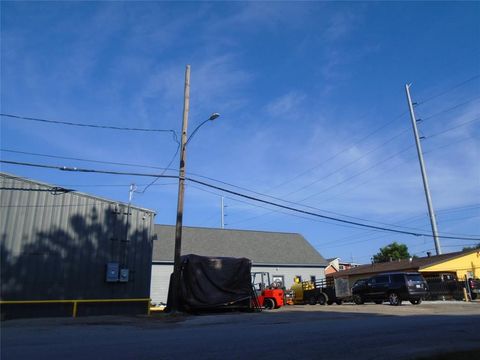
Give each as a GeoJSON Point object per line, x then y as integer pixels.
{"type": "Point", "coordinates": [431, 212]}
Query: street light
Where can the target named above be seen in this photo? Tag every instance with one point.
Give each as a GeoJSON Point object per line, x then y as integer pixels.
{"type": "Point", "coordinates": [211, 118]}
{"type": "Point", "coordinates": [175, 279]}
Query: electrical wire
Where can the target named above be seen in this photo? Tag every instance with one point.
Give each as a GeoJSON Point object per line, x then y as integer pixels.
{"type": "Point", "coordinates": [84, 160]}
{"type": "Point", "coordinates": [12, 116]}
{"type": "Point", "coordinates": [448, 90]}
{"type": "Point", "coordinates": [450, 108]}
{"type": "Point", "coordinates": [285, 207]}
{"type": "Point", "coordinates": [352, 162]}
{"type": "Point", "coordinates": [272, 211]}
{"type": "Point", "coordinates": [162, 173]}
{"type": "Point", "coordinates": [348, 164]}
{"type": "Point", "coordinates": [454, 128]}
{"type": "Point", "coordinates": [338, 153]}
{"type": "Point", "coordinates": [357, 174]}
{"type": "Point", "coordinates": [252, 218]}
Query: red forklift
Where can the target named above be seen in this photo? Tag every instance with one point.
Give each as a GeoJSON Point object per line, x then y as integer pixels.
{"type": "Point", "coordinates": [268, 295]}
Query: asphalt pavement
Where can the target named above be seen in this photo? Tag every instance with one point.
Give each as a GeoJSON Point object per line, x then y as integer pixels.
{"type": "Point", "coordinates": [293, 332]}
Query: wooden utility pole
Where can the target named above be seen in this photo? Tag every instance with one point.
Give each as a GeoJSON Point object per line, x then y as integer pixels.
{"type": "Point", "coordinates": [174, 287]}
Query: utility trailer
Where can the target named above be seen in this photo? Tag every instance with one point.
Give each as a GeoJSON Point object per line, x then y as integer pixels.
{"type": "Point", "coordinates": [314, 292]}
{"type": "Point", "coordinates": [323, 291]}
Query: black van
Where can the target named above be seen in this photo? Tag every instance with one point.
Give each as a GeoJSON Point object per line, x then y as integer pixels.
{"type": "Point", "coordinates": [393, 287]}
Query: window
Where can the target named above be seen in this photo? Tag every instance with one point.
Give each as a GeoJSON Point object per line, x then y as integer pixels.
{"type": "Point", "coordinates": [313, 278]}
{"type": "Point", "coordinates": [341, 267]}
{"type": "Point", "coordinates": [381, 279]}
{"type": "Point", "coordinates": [415, 277]}
{"type": "Point", "coordinates": [398, 278]}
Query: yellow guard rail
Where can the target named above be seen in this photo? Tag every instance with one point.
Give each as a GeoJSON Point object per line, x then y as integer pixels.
{"type": "Point", "coordinates": [75, 302]}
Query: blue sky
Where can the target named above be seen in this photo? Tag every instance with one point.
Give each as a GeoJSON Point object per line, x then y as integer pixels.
{"type": "Point", "coordinates": [312, 102]}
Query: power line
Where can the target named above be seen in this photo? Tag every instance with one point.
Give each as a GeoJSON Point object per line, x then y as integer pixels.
{"type": "Point", "coordinates": [407, 221]}
{"type": "Point", "coordinates": [272, 211]}
{"type": "Point", "coordinates": [333, 186]}
{"type": "Point", "coordinates": [162, 173]}
{"type": "Point", "coordinates": [165, 169]}
{"type": "Point", "coordinates": [448, 90]}
{"type": "Point", "coordinates": [450, 108]}
{"type": "Point", "coordinates": [338, 153]}
{"type": "Point", "coordinates": [454, 127]}
{"type": "Point", "coordinates": [358, 174]}
{"type": "Point", "coordinates": [109, 127]}
{"type": "Point", "coordinates": [348, 164]}
{"type": "Point", "coordinates": [84, 160]}
{"type": "Point", "coordinates": [379, 228]}
{"type": "Point", "coordinates": [374, 132]}
{"type": "Point", "coordinates": [463, 139]}
{"type": "Point", "coordinates": [460, 208]}
{"type": "Point", "coordinates": [75, 169]}
{"type": "Point", "coordinates": [383, 161]}
{"type": "Point", "coordinates": [383, 144]}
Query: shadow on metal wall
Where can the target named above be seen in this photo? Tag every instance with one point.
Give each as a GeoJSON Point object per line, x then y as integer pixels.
{"type": "Point", "coordinates": [69, 262]}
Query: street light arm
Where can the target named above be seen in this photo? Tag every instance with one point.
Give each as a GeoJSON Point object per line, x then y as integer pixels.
{"type": "Point", "coordinates": [196, 129]}
{"type": "Point", "coordinates": [211, 118]}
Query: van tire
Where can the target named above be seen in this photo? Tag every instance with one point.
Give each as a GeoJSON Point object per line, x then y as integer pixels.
{"type": "Point", "coordinates": [357, 299]}
{"type": "Point", "coordinates": [394, 299]}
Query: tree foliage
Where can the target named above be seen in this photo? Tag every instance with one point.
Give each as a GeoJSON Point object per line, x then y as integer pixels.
{"type": "Point", "coordinates": [471, 247]}
{"type": "Point", "coordinates": [394, 251]}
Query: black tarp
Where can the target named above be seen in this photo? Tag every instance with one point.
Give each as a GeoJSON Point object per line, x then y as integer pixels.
{"type": "Point", "coordinates": [212, 283]}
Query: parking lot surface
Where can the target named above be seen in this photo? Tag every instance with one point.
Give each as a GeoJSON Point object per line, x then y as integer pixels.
{"type": "Point", "coordinates": [302, 332]}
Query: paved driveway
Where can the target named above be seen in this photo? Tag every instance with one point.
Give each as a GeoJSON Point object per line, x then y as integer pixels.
{"type": "Point", "coordinates": [295, 332]}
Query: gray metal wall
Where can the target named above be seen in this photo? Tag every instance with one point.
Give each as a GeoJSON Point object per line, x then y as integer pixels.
{"type": "Point", "coordinates": [56, 245]}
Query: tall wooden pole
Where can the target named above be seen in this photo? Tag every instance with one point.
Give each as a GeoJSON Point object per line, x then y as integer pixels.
{"type": "Point", "coordinates": [181, 190]}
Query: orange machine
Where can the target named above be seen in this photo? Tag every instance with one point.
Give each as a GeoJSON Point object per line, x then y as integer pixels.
{"type": "Point", "coordinates": [269, 296]}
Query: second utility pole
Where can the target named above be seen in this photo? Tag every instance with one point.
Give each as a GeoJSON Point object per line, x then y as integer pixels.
{"type": "Point", "coordinates": [433, 221]}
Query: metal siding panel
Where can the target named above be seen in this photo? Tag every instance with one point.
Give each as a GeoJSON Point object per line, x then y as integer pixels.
{"type": "Point", "coordinates": [57, 245]}
{"type": "Point", "coordinates": [160, 282]}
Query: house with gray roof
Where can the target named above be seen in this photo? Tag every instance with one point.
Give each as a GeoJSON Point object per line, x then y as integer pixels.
{"type": "Point", "coordinates": [283, 255]}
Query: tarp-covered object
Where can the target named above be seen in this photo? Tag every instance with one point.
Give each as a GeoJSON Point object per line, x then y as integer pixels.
{"type": "Point", "coordinates": [214, 282]}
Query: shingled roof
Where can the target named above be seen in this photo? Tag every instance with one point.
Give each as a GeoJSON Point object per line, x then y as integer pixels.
{"type": "Point", "coordinates": [263, 248]}
{"type": "Point", "coordinates": [414, 264]}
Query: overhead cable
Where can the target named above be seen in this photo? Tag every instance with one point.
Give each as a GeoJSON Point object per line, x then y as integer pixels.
{"type": "Point", "coordinates": [448, 90]}
{"type": "Point", "coordinates": [109, 127]}
{"type": "Point", "coordinates": [451, 108]}
{"type": "Point", "coordinates": [379, 228]}
{"type": "Point", "coordinates": [454, 127]}
{"type": "Point", "coordinates": [338, 153]}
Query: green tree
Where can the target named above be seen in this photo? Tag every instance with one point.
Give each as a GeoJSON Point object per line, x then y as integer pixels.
{"type": "Point", "coordinates": [394, 251]}
{"type": "Point", "coordinates": [471, 247]}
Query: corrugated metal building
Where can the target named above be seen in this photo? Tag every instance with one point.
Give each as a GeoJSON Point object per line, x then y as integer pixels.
{"type": "Point", "coordinates": [58, 244]}
{"type": "Point", "coordinates": [283, 255]}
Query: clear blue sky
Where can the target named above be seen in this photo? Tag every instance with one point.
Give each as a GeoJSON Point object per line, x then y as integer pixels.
{"type": "Point", "coordinates": [312, 102]}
